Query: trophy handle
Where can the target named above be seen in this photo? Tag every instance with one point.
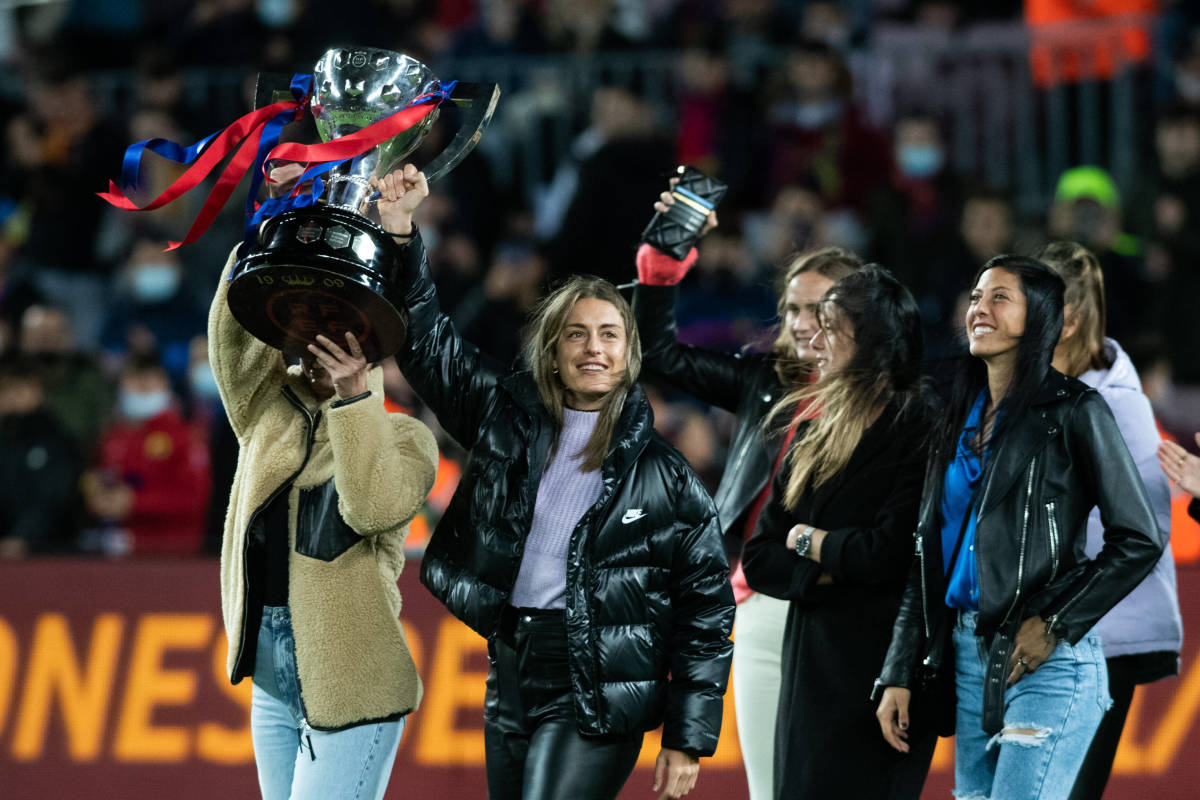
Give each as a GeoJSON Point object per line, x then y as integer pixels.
{"type": "Point", "coordinates": [478, 104]}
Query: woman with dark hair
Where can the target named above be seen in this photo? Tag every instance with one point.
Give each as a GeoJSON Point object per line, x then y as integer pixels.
{"type": "Point", "coordinates": [835, 539]}
{"type": "Point", "coordinates": [748, 385]}
{"type": "Point", "coordinates": [1142, 634]}
{"type": "Point", "coordinates": [579, 543]}
{"type": "Point", "coordinates": [1002, 599]}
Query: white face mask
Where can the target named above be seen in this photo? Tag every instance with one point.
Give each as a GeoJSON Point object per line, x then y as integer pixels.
{"type": "Point", "coordinates": [203, 382]}
{"type": "Point", "coordinates": [276, 13]}
{"type": "Point", "coordinates": [153, 283]}
{"type": "Point", "coordinates": [141, 406]}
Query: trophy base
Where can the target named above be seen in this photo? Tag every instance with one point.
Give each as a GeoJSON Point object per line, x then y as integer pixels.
{"type": "Point", "coordinates": [319, 270]}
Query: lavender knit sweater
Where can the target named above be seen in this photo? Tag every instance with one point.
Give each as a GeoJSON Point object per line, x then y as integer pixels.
{"type": "Point", "coordinates": [564, 495]}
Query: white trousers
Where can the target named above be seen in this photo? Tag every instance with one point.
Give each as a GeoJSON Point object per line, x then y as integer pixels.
{"type": "Point", "coordinates": [757, 653]}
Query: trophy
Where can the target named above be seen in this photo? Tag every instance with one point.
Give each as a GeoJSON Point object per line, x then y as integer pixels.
{"type": "Point", "coordinates": [326, 268]}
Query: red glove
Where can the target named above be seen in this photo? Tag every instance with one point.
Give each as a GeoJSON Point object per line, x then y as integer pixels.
{"type": "Point", "coordinates": [656, 268]}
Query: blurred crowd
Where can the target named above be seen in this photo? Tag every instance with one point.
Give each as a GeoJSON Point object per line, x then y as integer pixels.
{"type": "Point", "coordinates": [112, 437]}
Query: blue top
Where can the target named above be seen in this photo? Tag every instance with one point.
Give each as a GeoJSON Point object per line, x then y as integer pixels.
{"type": "Point", "coordinates": [962, 477]}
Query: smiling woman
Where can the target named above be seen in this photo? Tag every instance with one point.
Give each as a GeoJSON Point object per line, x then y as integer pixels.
{"type": "Point", "coordinates": [579, 543]}
{"type": "Point", "coordinates": [1001, 602]}
{"type": "Point", "coordinates": [584, 354]}
{"type": "Point", "coordinates": [591, 353]}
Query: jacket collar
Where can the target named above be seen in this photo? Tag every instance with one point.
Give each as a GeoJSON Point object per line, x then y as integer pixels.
{"type": "Point", "coordinates": [1026, 438]}
{"type": "Point", "coordinates": [633, 430]}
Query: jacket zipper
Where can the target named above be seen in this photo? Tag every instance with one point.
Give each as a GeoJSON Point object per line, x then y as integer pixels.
{"type": "Point", "coordinates": [1053, 621]}
{"type": "Point", "coordinates": [305, 735]}
{"type": "Point", "coordinates": [1053, 539]}
{"type": "Point", "coordinates": [924, 589]}
{"type": "Point", "coordinates": [312, 431]}
{"type": "Point", "coordinates": [1024, 535]}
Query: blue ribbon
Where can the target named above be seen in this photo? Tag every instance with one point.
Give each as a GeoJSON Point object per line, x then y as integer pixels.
{"type": "Point", "coordinates": [131, 164]}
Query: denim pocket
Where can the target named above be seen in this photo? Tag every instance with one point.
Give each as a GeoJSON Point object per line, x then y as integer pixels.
{"type": "Point", "coordinates": [1097, 655]}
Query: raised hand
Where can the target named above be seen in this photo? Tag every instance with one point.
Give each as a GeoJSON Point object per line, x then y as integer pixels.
{"type": "Point", "coordinates": [400, 192]}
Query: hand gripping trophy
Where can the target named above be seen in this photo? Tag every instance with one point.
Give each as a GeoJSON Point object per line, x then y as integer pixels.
{"type": "Point", "coordinates": [318, 265]}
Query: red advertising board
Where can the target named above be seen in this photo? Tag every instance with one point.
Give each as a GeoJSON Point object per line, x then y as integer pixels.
{"type": "Point", "coordinates": [112, 686]}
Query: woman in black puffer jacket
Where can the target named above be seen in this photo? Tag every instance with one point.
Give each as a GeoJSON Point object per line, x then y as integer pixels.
{"type": "Point", "coordinates": [578, 542]}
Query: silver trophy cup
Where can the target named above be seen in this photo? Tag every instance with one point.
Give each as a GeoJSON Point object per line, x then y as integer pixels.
{"type": "Point", "coordinates": [327, 269]}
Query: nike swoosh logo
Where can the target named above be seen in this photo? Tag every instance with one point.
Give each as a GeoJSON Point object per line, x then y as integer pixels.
{"type": "Point", "coordinates": [632, 515]}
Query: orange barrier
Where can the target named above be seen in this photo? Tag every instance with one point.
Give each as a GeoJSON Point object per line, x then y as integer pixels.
{"type": "Point", "coordinates": [112, 685]}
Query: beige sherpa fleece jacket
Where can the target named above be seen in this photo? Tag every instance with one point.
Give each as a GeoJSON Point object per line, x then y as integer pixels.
{"type": "Point", "coordinates": [351, 655]}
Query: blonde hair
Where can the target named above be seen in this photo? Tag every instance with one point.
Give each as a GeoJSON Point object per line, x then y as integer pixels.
{"type": "Point", "coordinates": [834, 263]}
{"type": "Point", "coordinates": [547, 322]}
{"type": "Point", "coordinates": [1080, 270]}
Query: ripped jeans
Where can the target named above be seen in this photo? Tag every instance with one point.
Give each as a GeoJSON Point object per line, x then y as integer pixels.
{"type": "Point", "coordinates": [1050, 717]}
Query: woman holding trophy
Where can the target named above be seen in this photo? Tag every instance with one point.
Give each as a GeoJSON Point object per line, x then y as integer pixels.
{"type": "Point", "coordinates": [326, 484]}
{"type": "Point", "coordinates": [579, 543]}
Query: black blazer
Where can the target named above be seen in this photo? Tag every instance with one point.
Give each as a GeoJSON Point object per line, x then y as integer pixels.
{"type": "Point", "coordinates": [869, 509]}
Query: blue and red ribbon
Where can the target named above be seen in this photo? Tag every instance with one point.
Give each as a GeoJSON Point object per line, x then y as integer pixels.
{"type": "Point", "coordinates": [255, 136]}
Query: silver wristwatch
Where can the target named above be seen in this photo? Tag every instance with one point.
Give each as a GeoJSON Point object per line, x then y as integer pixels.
{"type": "Point", "coordinates": [804, 541]}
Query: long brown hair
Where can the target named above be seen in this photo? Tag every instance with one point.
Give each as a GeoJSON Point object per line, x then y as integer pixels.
{"type": "Point", "coordinates": [1080, 270]}
{"type": "Point", "coordinates": [834, 263]}
{"type": "Point", "coordinates": [547, 322]}
{"type": "Point", "coordinates": [885, 323]}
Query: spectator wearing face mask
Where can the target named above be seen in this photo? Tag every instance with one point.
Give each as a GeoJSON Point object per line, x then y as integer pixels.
{"type": "Point", "coordinates": [149, 489]}
{"type": "Point", "coordinates": [913, 217]}
{"type": "Point", "coordinates": [152, 311]}
{"type": "Point", "coordinates": [39, 466]}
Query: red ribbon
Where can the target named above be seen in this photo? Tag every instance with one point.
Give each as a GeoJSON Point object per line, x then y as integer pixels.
{"type": "Point", "coordinates": [356, 143]}
{"type": "Point", "coordinates": [248, 130]}
{"type": "Point", "coordinates": [213, 154]}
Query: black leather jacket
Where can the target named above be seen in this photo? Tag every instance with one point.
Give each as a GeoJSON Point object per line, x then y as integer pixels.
{"type": "Point", "coordinates": [1063, 457]}
{"type": "Point", "coordinates": [745, 384]}
{"type": "Point", "coordinates": [649, 609]}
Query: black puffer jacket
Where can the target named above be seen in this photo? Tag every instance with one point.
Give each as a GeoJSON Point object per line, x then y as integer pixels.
{"type": "Point", "coordinates": [1062, 458]}
{"type": "Point", "coordinates": [648, 604]}
{"type": "Point", "coordinates": [745, 384]}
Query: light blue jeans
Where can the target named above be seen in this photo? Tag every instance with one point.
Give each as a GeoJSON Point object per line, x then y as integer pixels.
{"type": "Point", "coordinates": [1062, 703]}
{"type": "Point", "coordinates": [294, 761]}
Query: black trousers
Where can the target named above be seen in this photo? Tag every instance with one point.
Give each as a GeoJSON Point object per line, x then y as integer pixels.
{"type": "Point", "coordinates": [533, 748]}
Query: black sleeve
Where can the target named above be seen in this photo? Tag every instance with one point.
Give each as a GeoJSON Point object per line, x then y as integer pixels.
{"type": "Point", "coordinates": [1132, 539]}
{"type": "Point", "coordinates": [716, 378]}
{"type": "Point", "coordinates": [450, 374]}
{"type": "Point", "coordinates": [907, 636]}
{"type": "Point", "coordinates": [770, 567]}
{"type": "Point", "coordinates": [703, 608]}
